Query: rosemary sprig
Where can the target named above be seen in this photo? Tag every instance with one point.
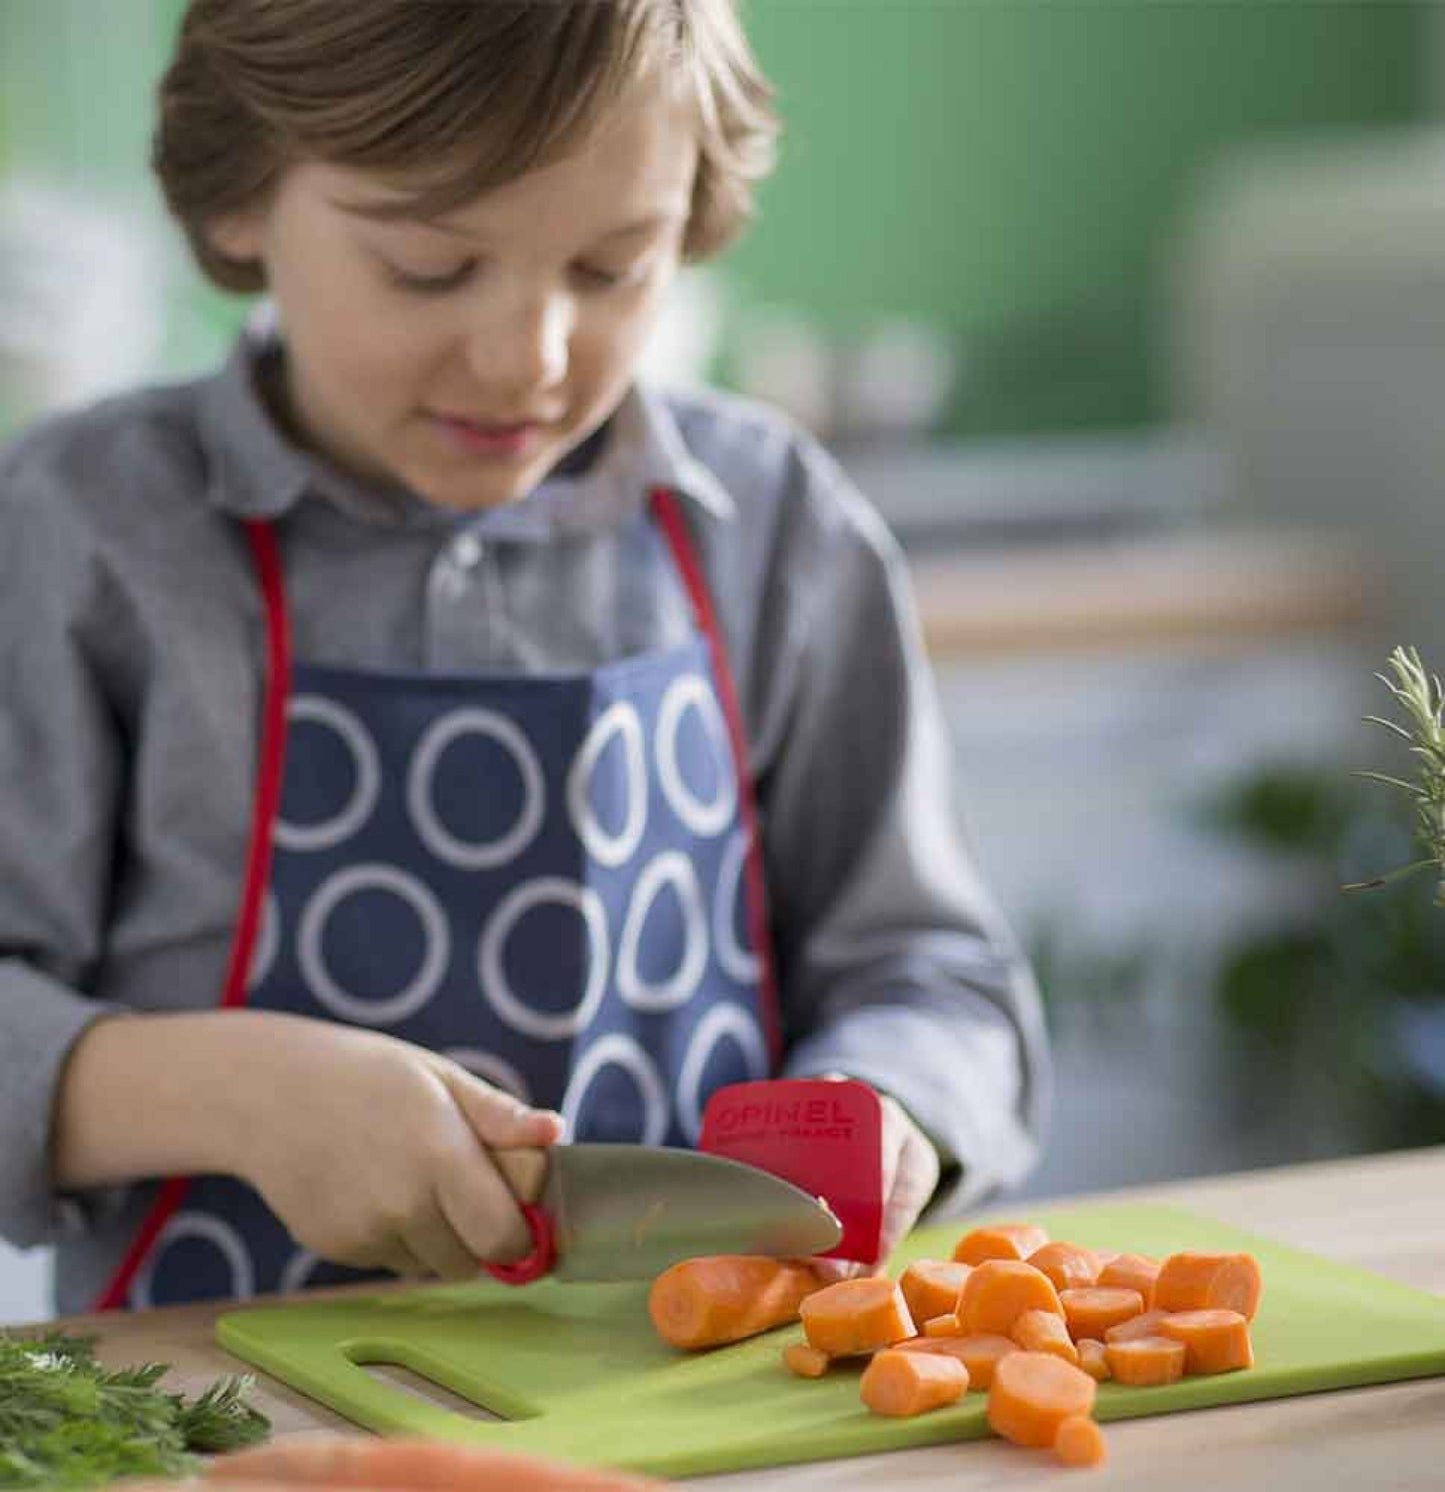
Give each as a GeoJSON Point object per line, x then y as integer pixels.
{"type": "Point", "coordinates": [65, 1421]}
{"type": "Point", "coordinates": [1419, 693]}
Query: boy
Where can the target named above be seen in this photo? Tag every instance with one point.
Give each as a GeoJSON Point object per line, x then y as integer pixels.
{"type": "Point", "coordinates": [432, 740]}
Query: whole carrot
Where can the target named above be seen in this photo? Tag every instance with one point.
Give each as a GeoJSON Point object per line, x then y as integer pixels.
{"type": "Point", "coordinates": [330, 1462]}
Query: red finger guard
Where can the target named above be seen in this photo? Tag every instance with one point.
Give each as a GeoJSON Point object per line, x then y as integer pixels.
{"type": "Point", "coordinates": [542, 1257]}
{"type": "Point", "coordinates": [822, 1135]}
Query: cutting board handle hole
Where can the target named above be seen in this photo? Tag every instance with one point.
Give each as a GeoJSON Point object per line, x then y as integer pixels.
{"type": "Point", "coordinates": [393, 1375]}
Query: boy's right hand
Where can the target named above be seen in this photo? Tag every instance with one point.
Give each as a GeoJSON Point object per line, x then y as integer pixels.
{"type": "Point", "coordinates": [373, 1151]}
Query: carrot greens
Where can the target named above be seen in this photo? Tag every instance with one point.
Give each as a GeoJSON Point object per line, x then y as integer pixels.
{"type": "Point", "coordinates": [66, 1421]}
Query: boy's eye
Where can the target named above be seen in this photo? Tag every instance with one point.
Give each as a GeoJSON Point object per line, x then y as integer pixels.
{"type": "Point", "coordinates": [596, 277]}
{"type": "Point", "coordinates": [432, 284]}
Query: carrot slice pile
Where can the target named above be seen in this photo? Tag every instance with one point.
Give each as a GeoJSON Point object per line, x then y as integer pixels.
{"type": "Point", "coordinates": [409, 1463]}
{"type": "Point", "coordinates": [979, 1354]}
{"type": "Point", "coordinates": [1145, 1324]}
{"type": "Point", "coordinates": [1033, 1393]}
{"type": "Point", "coordinates": [943, 1326]}
{"type": "Point", "coordinates": [1000, 1241]}
{"type": "Point", "coordinates": [1209, 1282]}
{"type": "Point", "coordinates": [1131, 1272]}
{"type": "Point", "coordinates": [1093, 1359]}
{"type": "Point", "coordinates": [1090, 1313]}
{"type": "Point", "coordinates": [1036, 1324]}
{"type": "Point", "coordinates": [1214, 1341]}
{"type": "Point", "coordinates": [999, 1291]}
{"type": "Point", "coordinates": [1146, 1361]}
{"type": "Point", "coordinates": [907, 1383]}
{"type": "Point", "coordinates": [1043, 1331]}
{"type": "Point", "coordinates": [933, 1287]}
{"type": "Point", "coordinates": [723, 1298]}
{"type": "Point", "coordinates": [1080, 1442]}
{"type": "Point", "coordinates": [854, 1316]}
{"type": "Point", "coordinates": [805, 1361]}
{"type": "Point", "coordinates": [1069, 1266]}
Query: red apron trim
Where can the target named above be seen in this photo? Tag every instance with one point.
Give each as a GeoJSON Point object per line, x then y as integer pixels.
{"type": "Point", "coordinates": [669, 516]}
{"type": "Point", "coordinates": [258, 869]}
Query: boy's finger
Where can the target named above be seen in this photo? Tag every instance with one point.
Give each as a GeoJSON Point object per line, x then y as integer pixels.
{"type": "Point", "coordinates": [433, 1239]}
{"type": "Point", "coordinates": [478, 1208]}
{"type": "Point", "coordinates": [497, 1118]}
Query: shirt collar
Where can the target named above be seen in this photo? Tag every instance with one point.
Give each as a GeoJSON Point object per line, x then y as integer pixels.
{"type": "Point", "coordinates": [259, 472]}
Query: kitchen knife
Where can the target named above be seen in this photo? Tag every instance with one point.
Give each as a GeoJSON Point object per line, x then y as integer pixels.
{"type": "Point", "coordinates": [627, 1212]}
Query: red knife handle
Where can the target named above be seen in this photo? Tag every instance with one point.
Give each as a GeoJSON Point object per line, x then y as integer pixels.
{"type": "Point", "coordinates": [543, 1255]}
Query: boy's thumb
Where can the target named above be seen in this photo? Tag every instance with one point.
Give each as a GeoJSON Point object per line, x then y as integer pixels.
{"type": "Point", "coordinates": [498, 1119]}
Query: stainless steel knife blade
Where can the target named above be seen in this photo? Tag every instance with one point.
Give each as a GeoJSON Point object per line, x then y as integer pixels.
{"type": "Point", "coordinates": [627, 1212]}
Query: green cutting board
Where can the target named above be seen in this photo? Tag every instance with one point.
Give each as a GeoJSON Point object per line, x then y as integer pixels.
{"type": "Point", "coordinates": [577, 1371]}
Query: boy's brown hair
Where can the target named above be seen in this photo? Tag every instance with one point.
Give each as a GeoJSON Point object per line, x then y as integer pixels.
{"type": "Point", "coordinates": [460, 96]}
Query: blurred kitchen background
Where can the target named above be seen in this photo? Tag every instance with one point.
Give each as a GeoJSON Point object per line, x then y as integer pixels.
{"type": "Point", "coordinates": [1130, 316]}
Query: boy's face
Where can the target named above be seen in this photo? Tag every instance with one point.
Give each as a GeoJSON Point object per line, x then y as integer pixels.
{"type": "Point", "coordinates": [467, 356]}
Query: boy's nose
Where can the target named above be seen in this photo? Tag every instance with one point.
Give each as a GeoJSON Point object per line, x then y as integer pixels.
{"type": "Point", "coordinates": [526, 349]}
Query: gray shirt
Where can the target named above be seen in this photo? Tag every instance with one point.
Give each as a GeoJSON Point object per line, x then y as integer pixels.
{"type": "Point", "coordinates": [132, 664]}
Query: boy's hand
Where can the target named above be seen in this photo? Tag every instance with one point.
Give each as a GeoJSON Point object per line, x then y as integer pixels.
{"type": "Point", "coordinates": [372, 1151]}
{"type": "Point", "coordinates": [910, 1177]}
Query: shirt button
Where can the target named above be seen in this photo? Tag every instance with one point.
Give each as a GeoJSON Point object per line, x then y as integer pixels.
{"type": "Point", "coordinates": [467, 552]}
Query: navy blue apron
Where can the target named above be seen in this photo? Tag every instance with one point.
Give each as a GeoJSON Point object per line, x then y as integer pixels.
{"type": "Point", "coordinates": [554, 880]}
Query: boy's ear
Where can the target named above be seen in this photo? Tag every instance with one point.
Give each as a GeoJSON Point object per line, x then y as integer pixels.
{"type": "Point", "coordinates": [237, 235]}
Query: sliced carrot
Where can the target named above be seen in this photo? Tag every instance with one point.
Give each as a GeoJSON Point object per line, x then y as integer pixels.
{"type": "Point", "coordinates": [416, 1463]}
{"type": "Point", "coordinates": [855, 1316]}
{"type": "Point", "coordinates": [1131, 1272]}
{"type": "Point", "coordinates": [1146, 1361]}
{"type": "Point", "coordinates": [1033, 1393]}
{"type": "Point", "coordinates": [1069, 1266]}
{"type": "Point", "coordinates": [907, 1383]}
{"type": "Point", "coordinates": [805, 1361]}
{"type": "Point", "coordinates": [1093, 1359]}
{"type": "Point", "coordinates": [1209, 1282]}
{"type": "Point", "coordinates": [1080, 1442]}
{"type": "Point", "coordinates": [1042, 1331]}
{"type": "Point", "coordinates": [999, 1241]}
{"type": "Point", "coordinates": [999, 1291]}
{"type": "Point", "coordinates": [1145, 1324]}
{"type": "Point", "coordinates": [979, 1354]}
{"type": "Point", "coordinates": [943, 1326]}
{"type": "Point", "coordinates": [1214, 1341]}
{"type": "Point", "coordinates": [1090, 1313]}
{"type": "Point", "coordinates": [720, 1298]}
{"type": "Point", "coordinates": [932, 1287]}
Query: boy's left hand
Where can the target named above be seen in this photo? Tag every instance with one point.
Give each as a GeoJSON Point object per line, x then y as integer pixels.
{"type": "Point", "coordinates": [910, 1177]}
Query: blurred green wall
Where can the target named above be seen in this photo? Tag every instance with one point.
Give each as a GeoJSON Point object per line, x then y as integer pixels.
{"type": "Point", "coordinates": [1009, 169]}
{"type": "Point", "coordinates": [1012, 168]}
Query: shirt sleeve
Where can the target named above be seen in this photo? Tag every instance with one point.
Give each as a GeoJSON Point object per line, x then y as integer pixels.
{"type": "Point", "coordinates": [60, 784]}
{"type": "Point", "coordinates": [895, 965]}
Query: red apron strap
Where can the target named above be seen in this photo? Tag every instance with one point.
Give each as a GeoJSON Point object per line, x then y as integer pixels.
{"type": "Point", "coordinates": [684, 553]}
{"type": "Point", "coordinates": [267, 802]}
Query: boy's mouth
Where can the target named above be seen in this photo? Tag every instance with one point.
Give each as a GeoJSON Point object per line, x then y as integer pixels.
{"type": "Point", "coordinates": [478, 439]}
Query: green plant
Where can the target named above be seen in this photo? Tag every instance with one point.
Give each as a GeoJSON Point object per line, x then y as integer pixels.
{"type": "Point", "coordinates": [1419, 693]}
{"type": "Point", "coordinates": [65, 1421]}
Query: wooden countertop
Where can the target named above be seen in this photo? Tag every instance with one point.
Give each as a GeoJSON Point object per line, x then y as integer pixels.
{"type": "Point", "coordinates": [1223, 589]}
{"type": "Point", "coordinates": [1385, 1213]}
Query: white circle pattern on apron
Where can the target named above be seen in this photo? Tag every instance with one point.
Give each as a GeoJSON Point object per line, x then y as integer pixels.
{"type": "Point", "coordinates": [739, 963]}
{"type": "Point", "coordinates": [439, 840]}
{"type": "Point", "coordinates": [671, 868]}
{"type": "Point", "coordinates": [520, 1016]}
{"type": "Point", "coordinates": [205, 1227]}
{"type": "Point", "coordinates": [624, 1052]}
{"type": "Point", "coordinates": [328, 833]}
{"type": "Point", "coordinates": [692, 691]}
{"type": "Point", "coordinates": [610, 849]}
{"type": "Point", "coordinates": [720, 1023]}
{"type": "Point", "coordinates": [345, 1004]}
